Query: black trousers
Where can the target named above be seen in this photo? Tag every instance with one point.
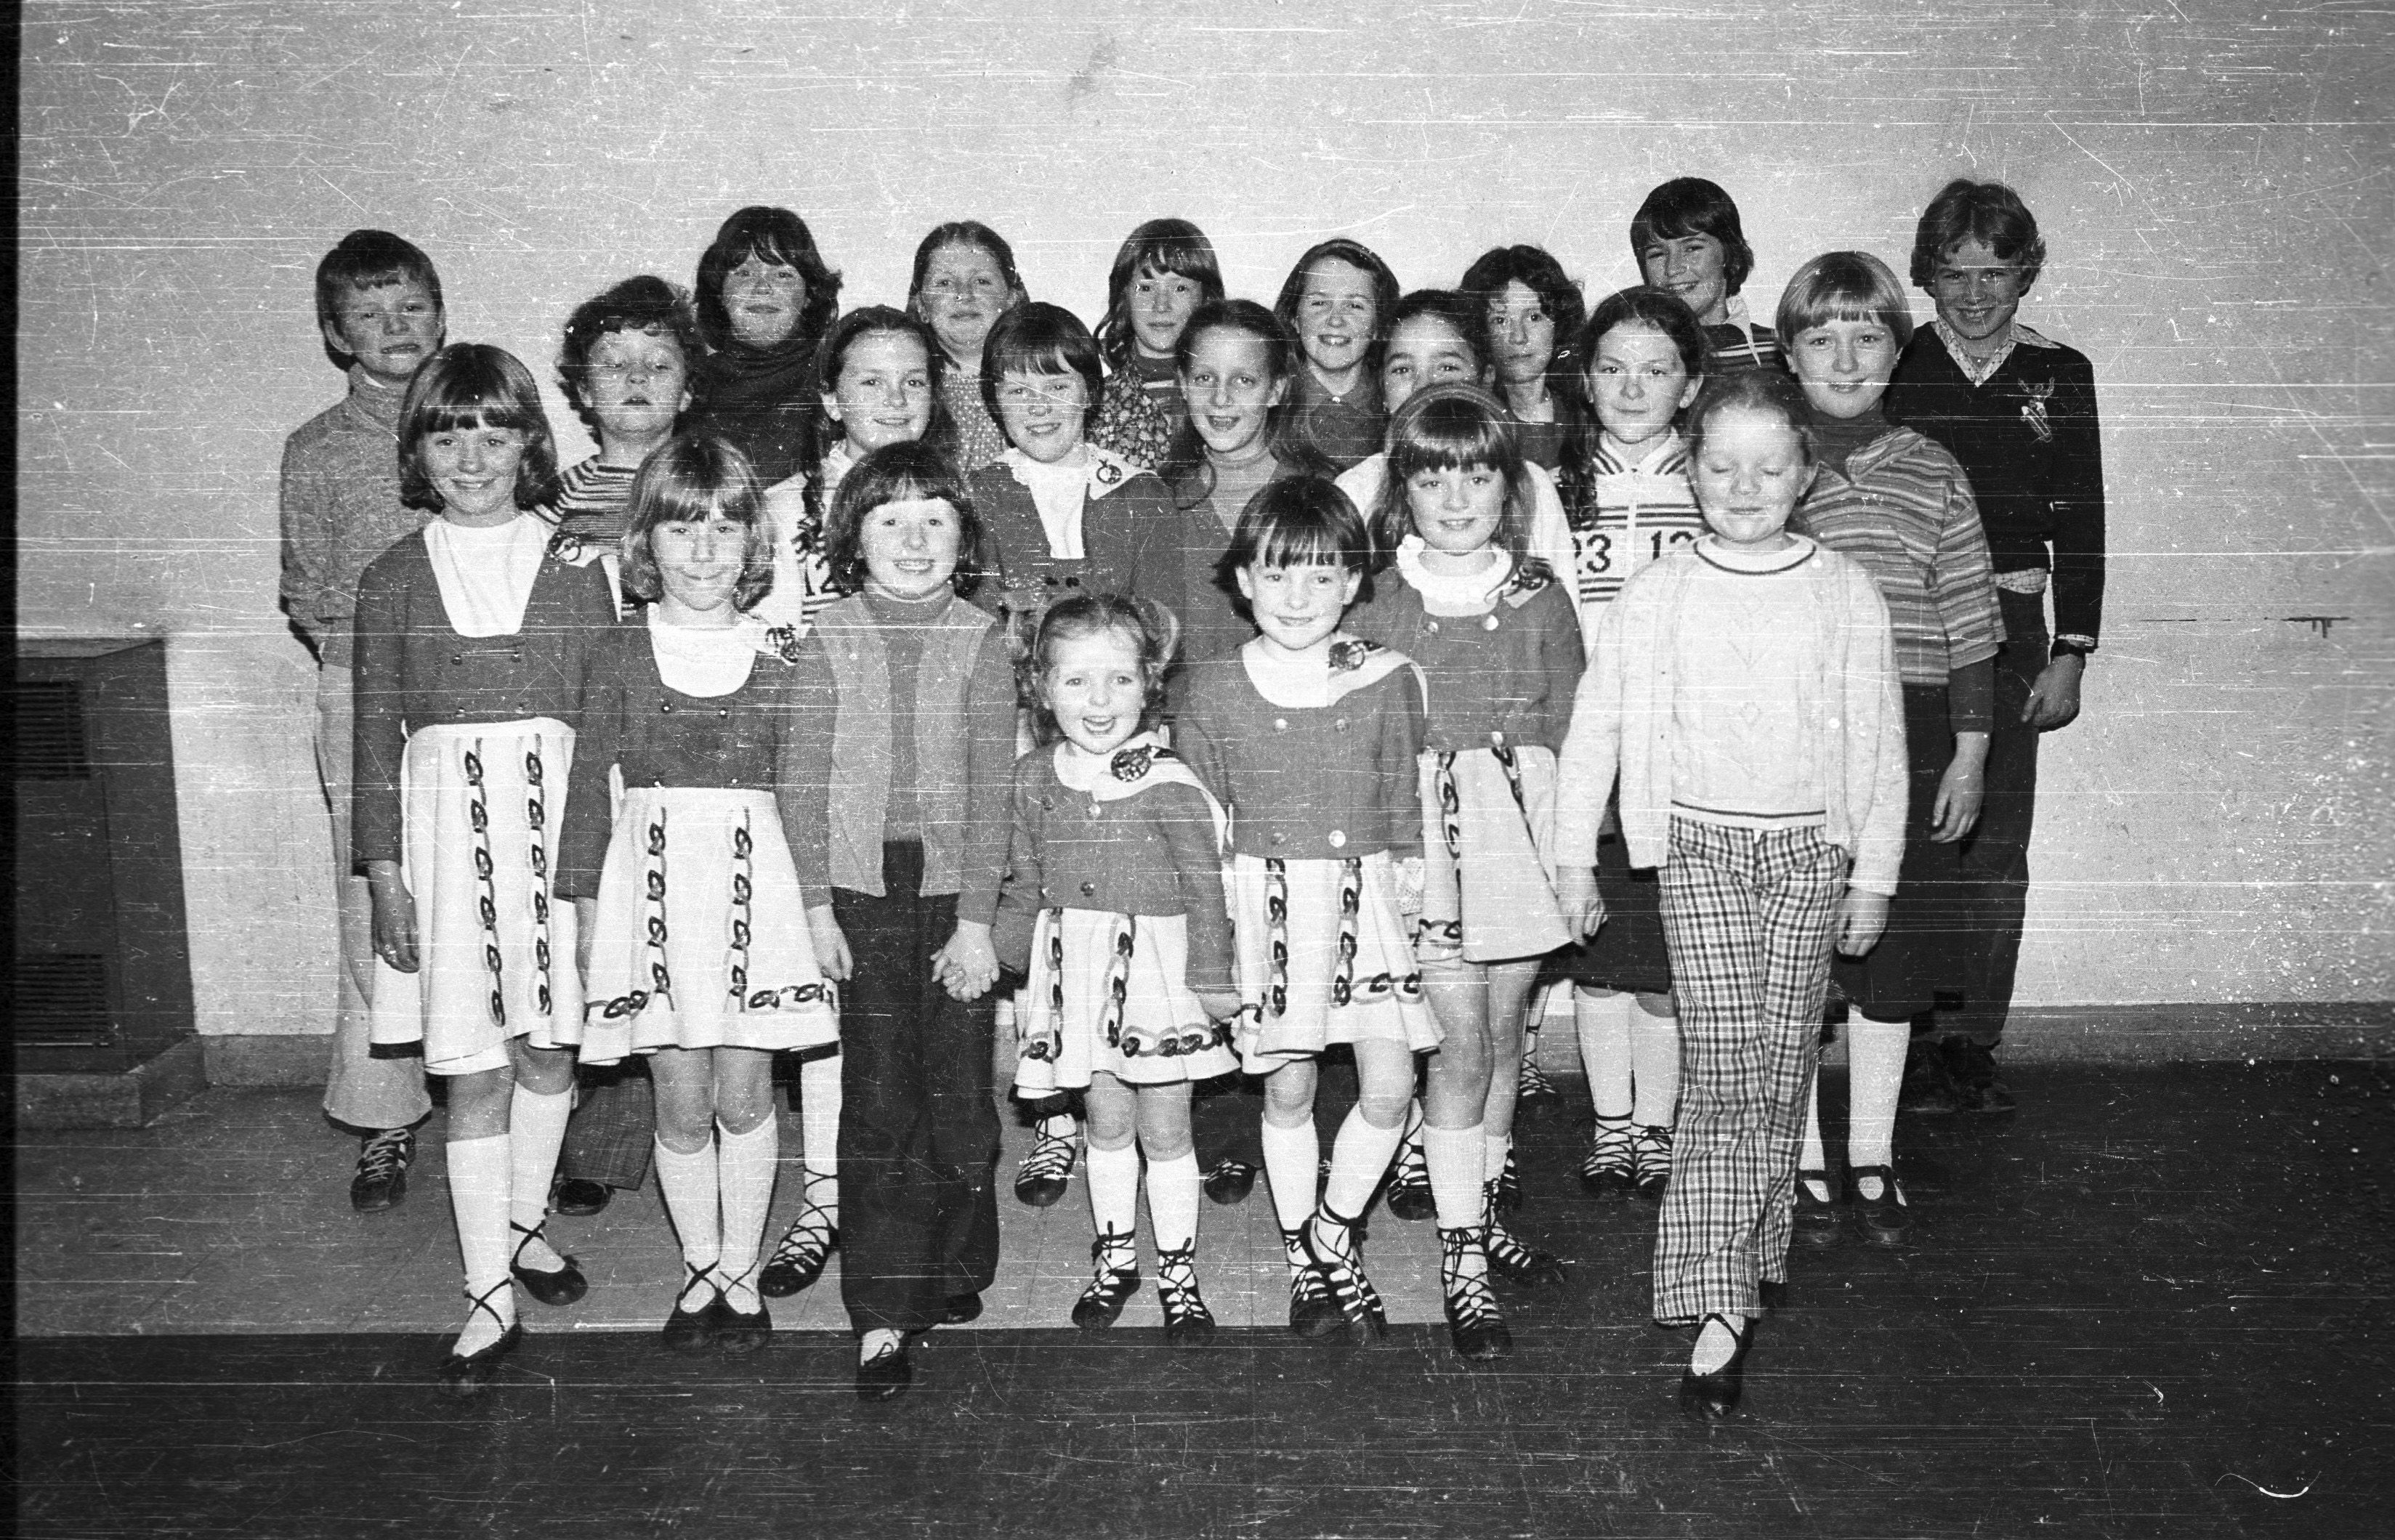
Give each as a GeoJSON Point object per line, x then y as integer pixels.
{"type": "Point", "coordinates": [919, 1122]}
{"type": "Point", "coordinates": [1995, 859]}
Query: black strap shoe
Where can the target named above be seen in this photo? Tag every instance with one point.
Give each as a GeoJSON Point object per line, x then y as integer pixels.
{"type": "Point", "coordinates": [1713, 1398]}
{"type": "Point", "coordinates": [561, 1288]}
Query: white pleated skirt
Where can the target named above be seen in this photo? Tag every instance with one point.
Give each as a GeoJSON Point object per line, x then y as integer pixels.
{"type": "Point", "coordinates": [1111, 993]}
{"type": "Point", "coordinates": [1323, 958]}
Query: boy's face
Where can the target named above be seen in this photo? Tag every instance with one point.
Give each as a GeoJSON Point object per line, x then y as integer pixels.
{"type": "Point", "coordinates": [634, 383]}
{"type": "Point", "coordinates": [1844, 363]}
{"type": "Point", "coordinates": [1977, 292]}
{"type": "Point", "coordinates": [1694, 267]}
{"type": "Point", "coordinates": [389, 328]}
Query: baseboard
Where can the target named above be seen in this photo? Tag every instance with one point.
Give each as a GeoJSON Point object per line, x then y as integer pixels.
{"type": "Point", "coordinates": [124, 1099]}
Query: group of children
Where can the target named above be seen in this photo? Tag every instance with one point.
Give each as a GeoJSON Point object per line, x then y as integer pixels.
{"type": "Point", "coordinates": [1242, 682]}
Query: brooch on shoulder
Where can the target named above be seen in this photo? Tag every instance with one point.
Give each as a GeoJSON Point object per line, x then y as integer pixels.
{"type": "Point", "coordinates": [1351, 655]}
{"type": "Point", "coordinates": [1132, 764]}
{"type": "Point", "coordinates": [783, 642]}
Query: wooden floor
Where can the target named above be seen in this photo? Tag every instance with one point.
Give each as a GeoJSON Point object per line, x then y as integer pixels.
{"type": "Point", "coordinates": [2152, 1303]}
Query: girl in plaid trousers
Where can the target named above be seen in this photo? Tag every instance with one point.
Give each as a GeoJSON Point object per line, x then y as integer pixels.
{"type": "Point", "coordinates": [1744, 689]}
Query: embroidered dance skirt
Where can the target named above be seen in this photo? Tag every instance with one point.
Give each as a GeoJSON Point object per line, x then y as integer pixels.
{"type": "Point", "coordinates": [481, 803]}
{"type": "Point", "coordinates": [1110, 992]}
{"type": "Point", "coordinates": [701, 940]}
{"type": "Point", "coordinates": [1323, 959]}
{"type": "Point", "coordinates": [1489, 893]}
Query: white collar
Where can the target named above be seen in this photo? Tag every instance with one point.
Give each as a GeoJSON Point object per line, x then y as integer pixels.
{"type": "Point", "coordinates": [1454, 593]}
{"type": "Point", "coordinates": [706, 660]}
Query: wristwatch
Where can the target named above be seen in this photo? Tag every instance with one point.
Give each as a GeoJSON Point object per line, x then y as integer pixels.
{"type": "Point", "coordinates": [2065, 648]}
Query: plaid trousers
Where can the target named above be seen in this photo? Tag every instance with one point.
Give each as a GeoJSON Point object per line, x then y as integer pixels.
{"type": "Point", "coordinates": [1749, 917]}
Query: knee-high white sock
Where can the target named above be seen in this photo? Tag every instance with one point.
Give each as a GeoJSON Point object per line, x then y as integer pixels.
{"type": "Point", "coordinates": [1359, 1157]}
{"type": "Point", "coordinates": [1113, 1189]}
{"type": "Point", "coordinates": [1457, 1159]}
{"type": "Point", "coordinates": [1173, 1188]}
{"type": "Point", "coordinates": [1655, 1060]}
{"type": "Point", "coordinates": [1602, 1023]}
{"type": "Point", "coordinates": [1812, 1157]}
{"type": "Point", "coordinates": [691, 1189]}
{"type": "Point", "coordinates": [819, 1133]}
{"type": "Point", "coordinates": [1875, 1075]}
{"type": "Point", "coordinates": [478, 1197]}
{"type": "Point", "coordinates": [536, 1133]}
{"type": "Point", "coordinates": [1293, 1159]}
{"type": "Point", "coordinates": [745, 1166]}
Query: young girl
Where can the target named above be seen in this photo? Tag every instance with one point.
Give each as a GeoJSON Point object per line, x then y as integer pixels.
{"type": "Point", "coordinates": [1308, 736]}
{"type": "Point", "coordinates": [1165, 271]}
{"type": "Point", "coordinates": [1625, 485]}
{"type": "Point", "coordinates": [471, 646]}
{"type": "Point", "coordinates": [1688, 242]}
{"type": "Point", "coordinates": [964, 281]}
{"type": "Point", "coordinates": [625, 368]}
{"type": "Point", "coordinates": [897, 782]}
{"type": "Point", "coordinates": [693, 718]}
{"type": "Point", "coordinates": [1112, 906]}
{"type": "Point", "coordinates": [1745, 691]}
{"type": "Point", "coordinates": [1494, 633]}
{"type": "Point", "coordinates": [764, 296]}
{"type": "Point", "coordinates": [1336, 302]}
{"type": "Point", "coordinates": [1534, 318]}
{"type": "Point", "coordinates": [1897, 503]}
{"type": "Point", "coordinates": [1235, 368]}
{"type": "Point", "coordinates": [1064, 513]}
{"type": "Point", "coordinates": [877, 367]}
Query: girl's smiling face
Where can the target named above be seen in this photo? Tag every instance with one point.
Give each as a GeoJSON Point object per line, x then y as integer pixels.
{"type": "Point", "coordinates": [1692, 267]}
{"type": "Point", "coordinates": [883, 394]}
{"type": "Point", "coordinates": [1844, 365]}
{"type": "Point", "coordinates": [1336, 316]}
{"type": "Point", "coordinates": [635, 383]}
{"type": "Point", "coordinates": [1457, 512]}
{"type": "Point", "coordinates": [1750, 477]}
{"type": "Point", "coordinates": [1298, 607]}
{"type": "Point", "coordinates": [1094, 687]}
{"type": "Point", "coordinates": [910, 547]}
{"type": "Point", "coordinates": [1521, 334]}
{"type": "Point", "coordinates": [1230, 390]}
{"type": "Point", "coordinates": [964, 292]}
{"type": "Point", "coordinates": [1638, 382]}
{"type": "Point", "coordinates": [1423, 350]}
{"type": "Point", "coordinates": [1160, 305]}
{"type": "Point", "coordinates": [698, 565]}
{"type": "Point", "coordinates": [1043, 415]}
{"type": "Point", "coordinates": [764, 300]}
{"type": "Point", "coordinates": [474, 470]}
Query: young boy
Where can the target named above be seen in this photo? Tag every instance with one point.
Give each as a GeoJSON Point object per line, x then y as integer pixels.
{"type": "Point", "coordinates": [378, 306]}
{"type": "Point", "coordinates": [2018, 411]}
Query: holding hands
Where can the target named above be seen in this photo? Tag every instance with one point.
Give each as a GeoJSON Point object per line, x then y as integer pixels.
{"type": "Point", "coordinates": [967, 966]}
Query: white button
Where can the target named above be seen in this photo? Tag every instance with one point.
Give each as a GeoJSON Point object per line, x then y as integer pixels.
{"type": "Point", "coordinates": [1338, 839]}
{"type": "Point", "coordinates": [1489, 622]}
{"type": "Point", "coordinates": [1280, 724]}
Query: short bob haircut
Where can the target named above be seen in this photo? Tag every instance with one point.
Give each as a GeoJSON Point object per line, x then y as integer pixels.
{"type": "Point", "coordinates": [1454, 427]}
{"type": "Point", "coordinates": [695, 479]}
{"type": "Point", "coordinates": [1650, 309]}
{"type": "Point", "coordinates": [1691, 205]}
{"type": "Point", "coordinates": [1036, 338]}
{"type": "Point", "coordinates": [1843, 285]}
{"type": "Point", "coordinates": [1356, 255]}
{"type": "Point", "coordinates": [1537, 270]}
{"type": "Point", "coordinates": [1186, 458]}
{"type": "Point", "coordinates": [1299, 522]}
{"type": "Point", "coordinates": [1766, 391]}
{"type": "Point", "coordinates": [1155, 635]}
{"type": "Point", "coordinates": [878, 321]}
{"type": "Point", "coordinates": [475, 385]}
{"type": "Point", "coordinates": [965, 232]}
{"type": "Point", "coordinates": [1989, 212]}
{"type": "Point", "coordinates": [770, 235]}
{"type": "Point", "coordinates": [368, 259]}
{"type": "Point", "coordinates": [1465, 320]}
{"type": "Point", "coordinates": [1159, 246]}
{"type": "Point", "coordinates": [643, 304]}
{"type": "Point", "coordinates": [898, 473]}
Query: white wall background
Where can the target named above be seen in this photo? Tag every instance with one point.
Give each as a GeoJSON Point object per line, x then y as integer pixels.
{"type": "Point", "coordinates": [2213, 179]}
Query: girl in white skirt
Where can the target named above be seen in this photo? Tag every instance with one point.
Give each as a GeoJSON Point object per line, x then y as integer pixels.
{"type": "Point", "coordinates": [1309, 736]}
{"type": "Point", "coordinates": [472, 644]}
{"type": "Point", "coordinates": [1496, 634]}
{"type": "Point", "coordinates": [696, 951]}
{"type": "Point", "coordinates": [1113, 907]}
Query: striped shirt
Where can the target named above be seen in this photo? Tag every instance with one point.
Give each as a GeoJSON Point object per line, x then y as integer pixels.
{"type": "Point", "coordinates": [1903, 509]}
{"type": "Point", "coordinates": [1635, 512]}
{"type": "Point", "coordinates": [591, 505]}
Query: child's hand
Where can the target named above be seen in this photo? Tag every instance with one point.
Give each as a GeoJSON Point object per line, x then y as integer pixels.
{"type": "Point", "coordinates": [394, 915]}
{"type": "Point", "coordinates": [2054, 699]}
{"type": "Point", "coordinates": [1576, 895]}
{"type": "Point", "coordinates": [585, 920]}
{"type": "Point", "coordinates": [1960, 790]}
{"type": "Point", "coordinates": [967, 966]}
{"type": "Point", "coordinates": [1219, 1004]}
{"type": "Point", "coordinates": [831, 947]}
{"type": "Point", "coordinates": [1862, 917]}
{"type": "Point", "coordinates": [1409, 884]}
